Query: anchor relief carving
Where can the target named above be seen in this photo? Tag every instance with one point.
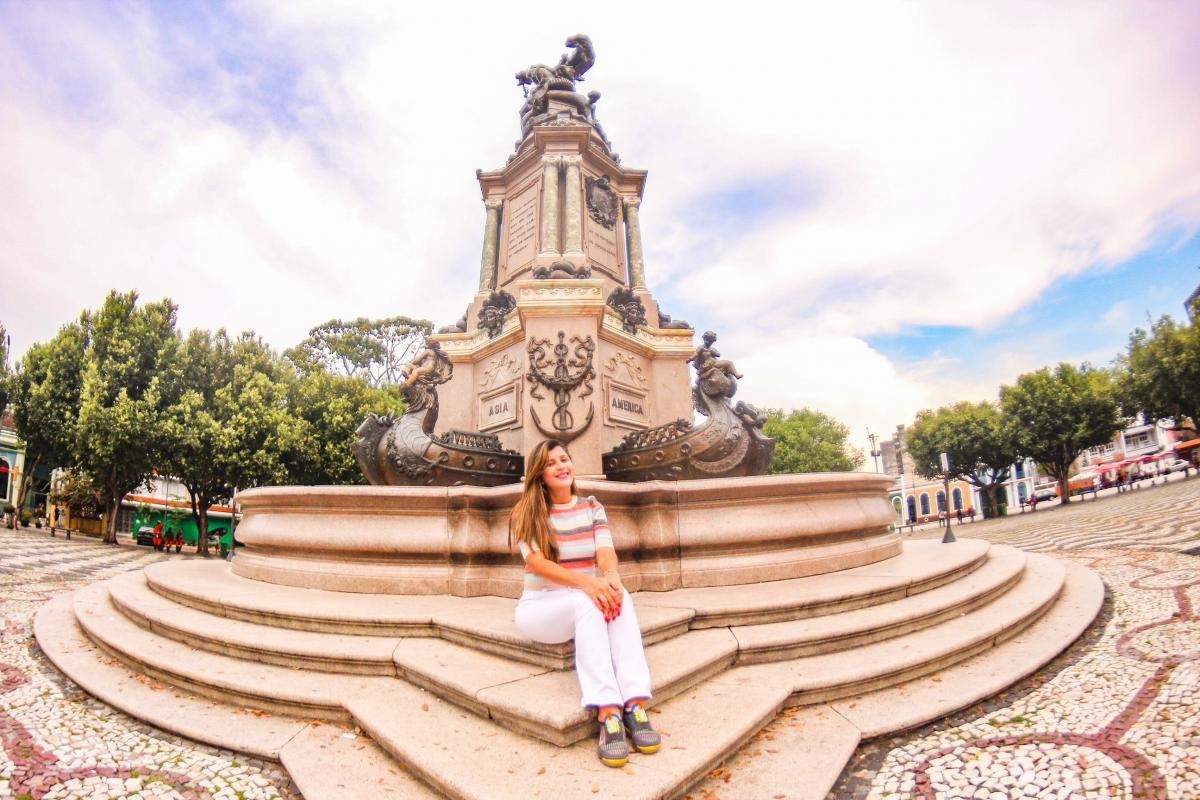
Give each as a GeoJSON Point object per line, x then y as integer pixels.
{"type": "Point", "coordinates": [562, 369]}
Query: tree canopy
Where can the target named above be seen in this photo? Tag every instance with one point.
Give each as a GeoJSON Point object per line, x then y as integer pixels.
{"type": "Point", "coordinates": [1057, 414]}
{"type": "Point", "coordinates": [120, 396]}
{"type": "Point", "coordinates": [809, 441]}
{"type": "Point", "coordinates": [981, 446]}
{"type": "Point", "coordinates": [119, 439]}
{"type": "Point", "coordinates": [1159, 373]}
{"type": "Point", "coordinates": [374, 350]}
{"type": "Point", "coordinates": [230, 425]}
{"type": "Point", "coordinates": [331, 408]}
{"type": "Point", "coordinates": [46, 390]}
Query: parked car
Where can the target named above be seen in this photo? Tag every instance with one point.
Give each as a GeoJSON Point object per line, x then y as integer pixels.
{"type": "Point", "coordinates": [1046, 493]}
{"type": "Point", "coordinates": [1178, 465]}
{"type": "Point", "coordinates": [145, 535]}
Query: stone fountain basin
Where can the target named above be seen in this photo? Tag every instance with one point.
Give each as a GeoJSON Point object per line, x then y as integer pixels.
{"type": "Point", "coordinates": [670, 535]}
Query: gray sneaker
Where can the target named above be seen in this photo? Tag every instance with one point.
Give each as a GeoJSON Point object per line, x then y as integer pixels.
{"type": "Point", "coordinates": [612, 747]}
{"type": "Point", "coordinates": [641, 733]}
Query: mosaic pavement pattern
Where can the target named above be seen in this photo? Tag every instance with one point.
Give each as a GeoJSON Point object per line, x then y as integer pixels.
{"type": "Point", "coordinates": [1114, 716]}
{"type": "Point", "coordinates": [58, 743]}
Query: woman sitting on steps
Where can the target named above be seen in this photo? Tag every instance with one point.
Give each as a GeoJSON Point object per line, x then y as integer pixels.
{"type": "Point", "coordinates": [573, 590]}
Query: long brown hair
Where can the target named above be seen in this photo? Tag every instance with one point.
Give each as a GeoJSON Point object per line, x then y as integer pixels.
{"type": "Point", "coordinates": [530, 520]}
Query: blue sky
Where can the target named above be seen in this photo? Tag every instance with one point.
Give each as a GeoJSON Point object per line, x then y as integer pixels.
{"type": "Point", "coordinates": [890, 207]}
{"type": "Point", "coordinates": [1092, 313]}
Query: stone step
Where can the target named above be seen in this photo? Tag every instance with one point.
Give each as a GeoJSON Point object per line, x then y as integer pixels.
{"type": "Point", "coordinates": [547, 706]}
{"type": "Point", "coordinates": [549, 700]}
{"type": "Point", "coordinates": [249, 641]}
{"type": "Point", "coordinates": [489, 685]}
{"type": "Point", "coordinates": [485, 623]}
{"type": "Point", "coordinates": [923, 565]}
{"type": "Point", "coordinates": [777, 641]}
{"type": "Point", "coordinates": [332, 763]}
{"type": "Point", "coordinates": [831, 676]}
{"type": "Point", "coordinates": [482, 623]}
{"type": "Point", "coordinates": [205, 719]}
{"type": "Point", "coordinates": [778, 767]}
{"type": "Point", "coordinates": [326, 761]}
{"type": "Point", "coordinates": [295, 692]}
{"type": "Point", "coordinates": [907, 705]}
{"type": "Point", "coordinates": [465, 756]}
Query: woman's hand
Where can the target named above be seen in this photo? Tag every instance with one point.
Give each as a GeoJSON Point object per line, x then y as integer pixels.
{"type": "Point", "coordinates": [614, 582]}
{"type": "Point", "coordinates": [606, 594]}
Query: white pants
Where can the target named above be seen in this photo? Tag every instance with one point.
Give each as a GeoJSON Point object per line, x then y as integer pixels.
{"type": "Point", "coordinates": [609, 658]}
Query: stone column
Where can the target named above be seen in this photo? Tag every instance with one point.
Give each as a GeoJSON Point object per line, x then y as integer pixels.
{"type": "Point", "coordinates": [573, 210]}
{"type": "Point", "coordinates": [550, 246]}
{"type": "Point", "coordinates": [490, 263]}
{"type": "Point", "coordinates": [633, 244]}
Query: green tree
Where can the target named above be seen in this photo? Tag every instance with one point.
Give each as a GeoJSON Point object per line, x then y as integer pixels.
{"type": "Point", "coordinates": [119, 437]}
{"type": "Point", "coordinates": [5, 375]}
{"type": "Point", "coordinates": [229, 426]}
{"type": "Point", "coordinates": [1057, 414]}
{"type": "Point", "coordinates": [809, 441]}
{"type": "Point", "coordinates": [46, 389]}
{"type": "Point", "coordinates": [331, 408]}
{"type": "Point", "coordinates": [982, 448]}
{"type": "Point", "coordinates": [374, 350]}
{"type": "Point", "coordinates": [1159, 374]}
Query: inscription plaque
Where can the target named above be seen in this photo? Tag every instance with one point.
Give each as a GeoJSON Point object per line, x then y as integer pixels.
{"type": "Point", "coordinates": [521, 231]}
{"type": "Point", "coordinates": [500, 408]}
{"type": "Point", "coordinates": [625, 405]}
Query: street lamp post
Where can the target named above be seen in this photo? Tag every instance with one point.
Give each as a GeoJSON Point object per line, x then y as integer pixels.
{"type": "Point", "coordinates": [875, 453]}
{"type": "Point", "coordinates": [896, 450]}
{"type": "Point", "coordinates": [949, 537]}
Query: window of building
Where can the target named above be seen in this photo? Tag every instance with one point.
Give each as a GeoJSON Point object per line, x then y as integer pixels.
{"type": "Point", "coordinates": [1019, 471]}
{"type": "Point", "coordinates": [1139, 440]}
{"type": "Point", "coordinates": [958, 500]}
{"type": "Point", "coordinates": [941, 501]}
{"type": "Point", "coordinates": [912, 507]}
{"type": "Point", "coordinates": [924, 504]}
{"type": "Point", "coordinates": [5, 481]}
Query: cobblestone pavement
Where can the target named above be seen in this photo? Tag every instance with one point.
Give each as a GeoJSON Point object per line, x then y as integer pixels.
{"type": "Point", "coordinates": [58, 743]}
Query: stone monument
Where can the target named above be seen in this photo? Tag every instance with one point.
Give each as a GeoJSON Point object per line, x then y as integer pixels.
{"type": "Point", "coordinates": [563, 339]}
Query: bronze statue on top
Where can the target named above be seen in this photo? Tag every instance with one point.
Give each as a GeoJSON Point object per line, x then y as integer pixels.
{"type": "Point", "coordinates": [551, 90]}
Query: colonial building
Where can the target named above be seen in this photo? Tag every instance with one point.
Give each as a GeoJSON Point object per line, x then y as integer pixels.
{"type": "Point", "coordinates": [918, 498]}
{"type": "Point", "coordinates": [914, 497]}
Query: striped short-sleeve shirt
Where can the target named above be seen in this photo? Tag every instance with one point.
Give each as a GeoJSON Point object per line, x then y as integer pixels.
{"type": "Point", "coordinates": [580, 528]}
